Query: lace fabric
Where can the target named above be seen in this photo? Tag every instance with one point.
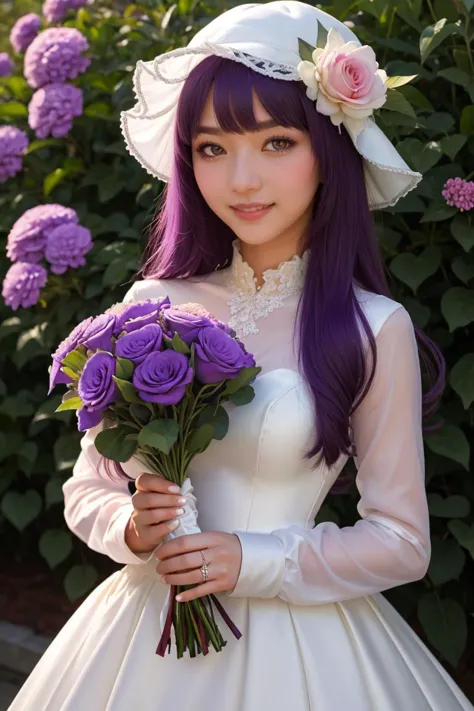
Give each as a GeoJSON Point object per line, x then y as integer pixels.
{"type": "Point", "coordinates": [248, 302]}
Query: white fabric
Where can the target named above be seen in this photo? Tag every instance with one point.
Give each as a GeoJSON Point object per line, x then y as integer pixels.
{"type": "Point", "coordinates": [317, 633]}
{"type": "Point", "coordinates": [263, 36]}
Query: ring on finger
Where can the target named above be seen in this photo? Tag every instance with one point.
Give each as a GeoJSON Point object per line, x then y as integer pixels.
{"type": "Point", "coordinates": [204, 567]}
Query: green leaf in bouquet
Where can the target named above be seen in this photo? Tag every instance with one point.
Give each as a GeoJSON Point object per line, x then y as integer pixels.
{"type": "Point", "coordinates": [177, 344]}
{"type": "Point", "coordinates": [245, 377]}
{"type": "Point", "coordinates": [72, 403]}
{"type": "Point", "coordinates": [113, 444]}
{"type": "Point", "coordinates": [75, 360]}
{"type": "Point", "coordinates": [200, 439]}
{"type": "Point", "coordinates": [71, 373]}
{"type": "Point", "coordinates": [141, 413]}
{"type": "Point", "coordinates": [127, 389]}
{"type": "Point", "coordinates": [125, 368]}
{"type": "Point", "coordinates": [159, 434]}
{"type": "Point", "coordinates": [218, 418]}
{"type": "Point", "coordinates": [243, 396]}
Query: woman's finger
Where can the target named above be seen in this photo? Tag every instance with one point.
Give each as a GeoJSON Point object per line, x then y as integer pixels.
{"type": "Point", "coordinates": [192, 577]}
{"type": "Point", "coordinates": [150, 517]}
{"type": "Point", "coordinates": [201, 590]}
{"type": "Point", "coordinates": [188, 561]}
{"type": "Point", "coordinates": [144, 500]}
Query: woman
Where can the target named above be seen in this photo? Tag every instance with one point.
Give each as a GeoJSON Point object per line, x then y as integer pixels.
{"type": "Point", "coordinates": [266, 223]}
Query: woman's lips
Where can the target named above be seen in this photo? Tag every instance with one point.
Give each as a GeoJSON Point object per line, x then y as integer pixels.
{"type": "Point", "coordinates": [251, 214]}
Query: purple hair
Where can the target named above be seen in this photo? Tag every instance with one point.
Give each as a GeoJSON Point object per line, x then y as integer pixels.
{"type": "Point", "coordinates": [188, 239]}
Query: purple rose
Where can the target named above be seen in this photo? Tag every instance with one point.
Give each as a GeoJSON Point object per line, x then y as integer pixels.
{"type": "Point", "coordinates": [162, 377]}
{"type": "Point", "coordinates": [65, 347]}
{"type": "Point", "coordinates": [137, 310]}
{"type": "Point", "coordinates": [87, 418]}
{"type": "Point", "coordinates": [99, 333]}
{"type": "Point", "coordinates": [134, 324]}
{"type": "Point", "coordinates": [219, 356]}
{"type": "Point", "coordinates": [187, 325]}
{"type": "Point", "coordinates": [137, 345]}
{"type": "Point", "coordinates": [96, 387]}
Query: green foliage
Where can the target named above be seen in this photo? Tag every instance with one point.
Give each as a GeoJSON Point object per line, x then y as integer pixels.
{"type": "Point", "coordinates": [427, 246]}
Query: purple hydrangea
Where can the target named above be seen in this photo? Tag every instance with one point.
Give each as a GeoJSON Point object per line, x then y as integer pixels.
{"type": "Point", "coordinates": [7, 64]}
{"type": "Point", "coordinates": [459, 193]}
{"type": "Point", "coordinates": [22, 284]}
{"type": "Point", "coordinates": [56, 10]}
{"type": "Point", "coordinates": [13, 142]}
{"type": "Point", "coordinates": [55, 56]}
{"type": "Point", "coordinates": [66, 246]}
{"type": "Point", "coordinates": [28, 237]}
{"type": "Point", "coordinates": [53, 108]}
{"type": "Point", "coordinates": [24, 31]}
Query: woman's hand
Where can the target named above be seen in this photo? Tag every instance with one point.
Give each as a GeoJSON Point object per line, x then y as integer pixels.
{"type": "Point", "coordinates": [155, 513]}
{"type": "Point", "coordinates": [181, 560]}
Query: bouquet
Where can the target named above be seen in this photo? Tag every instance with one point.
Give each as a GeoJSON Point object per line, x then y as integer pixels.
{"type": "Point", "coordinates": [157, 376]}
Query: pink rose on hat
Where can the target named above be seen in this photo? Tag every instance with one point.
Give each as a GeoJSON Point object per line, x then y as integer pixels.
{"type": "Point", "coordinates": [345, 81]}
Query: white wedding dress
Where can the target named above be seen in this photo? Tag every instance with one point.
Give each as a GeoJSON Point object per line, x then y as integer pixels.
{"type": "Point", "coordinates": [317, 635]}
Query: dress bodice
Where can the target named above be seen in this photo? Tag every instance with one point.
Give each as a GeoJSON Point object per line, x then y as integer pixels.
{"type": "Point", "coordinates": [257, 483]}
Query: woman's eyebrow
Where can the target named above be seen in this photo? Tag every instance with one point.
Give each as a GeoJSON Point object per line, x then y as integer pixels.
{"type": "Point", "coordinates": [216, 131]}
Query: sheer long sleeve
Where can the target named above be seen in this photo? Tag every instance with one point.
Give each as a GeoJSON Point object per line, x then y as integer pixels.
{"type": "Point", "coordinates": [390, 544]}
{"type": "Point", "coordinates": [96, 507]}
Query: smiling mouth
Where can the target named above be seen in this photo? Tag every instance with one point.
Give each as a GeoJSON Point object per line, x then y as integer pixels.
{"type": "Point", "coordinates": [252, 209]}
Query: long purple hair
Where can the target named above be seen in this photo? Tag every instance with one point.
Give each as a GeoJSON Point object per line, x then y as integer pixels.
{"type": "Point", "coordinates": [187, 239]}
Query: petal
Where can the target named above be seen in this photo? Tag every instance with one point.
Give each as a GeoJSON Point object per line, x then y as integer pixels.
{"type": "Point", "coordinates": [356, 113]}
{"type": "Point", "coordinates": [366, 54]}
{"type": "Point", "coordinates": [335, 41]}
{"type": "Point", "coordinates": [382, 74]}
{"type": "Point", "coordinates": [306, 70]}
{"type": "Point", "coordinates": [317, 54]}
{"type": "Point", "coordinates": [311, 93]}
{"type": "Point", "coordinates": [326, 107]}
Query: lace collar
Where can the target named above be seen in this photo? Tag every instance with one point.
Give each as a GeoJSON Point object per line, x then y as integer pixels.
{"type": "Point", "coordinates": [248, 302]}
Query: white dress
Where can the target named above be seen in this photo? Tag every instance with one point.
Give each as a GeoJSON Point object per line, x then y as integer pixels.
{"type": "Point", "coordinates": [317, 633]}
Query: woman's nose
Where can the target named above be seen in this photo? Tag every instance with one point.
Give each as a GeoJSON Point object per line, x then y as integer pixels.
{"type": "Point", "coordinates": [245, 175]}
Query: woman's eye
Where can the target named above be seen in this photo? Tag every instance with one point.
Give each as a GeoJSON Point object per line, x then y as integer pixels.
{"type": "Point", "coordinates": [207, 150]}
{"type": "Point", "coordinates": [281, 144]}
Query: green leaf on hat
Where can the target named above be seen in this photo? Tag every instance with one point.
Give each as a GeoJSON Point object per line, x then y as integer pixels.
{"type": "Point", "coordinates": [393, 82]}
{"type": "Point", "coordinates": [322, 36]}
{"type": "Point", "coordinates": [305, 50]}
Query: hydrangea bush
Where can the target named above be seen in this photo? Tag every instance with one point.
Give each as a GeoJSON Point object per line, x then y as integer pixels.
{"type": "Point", "coordinates": [75, 206]}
